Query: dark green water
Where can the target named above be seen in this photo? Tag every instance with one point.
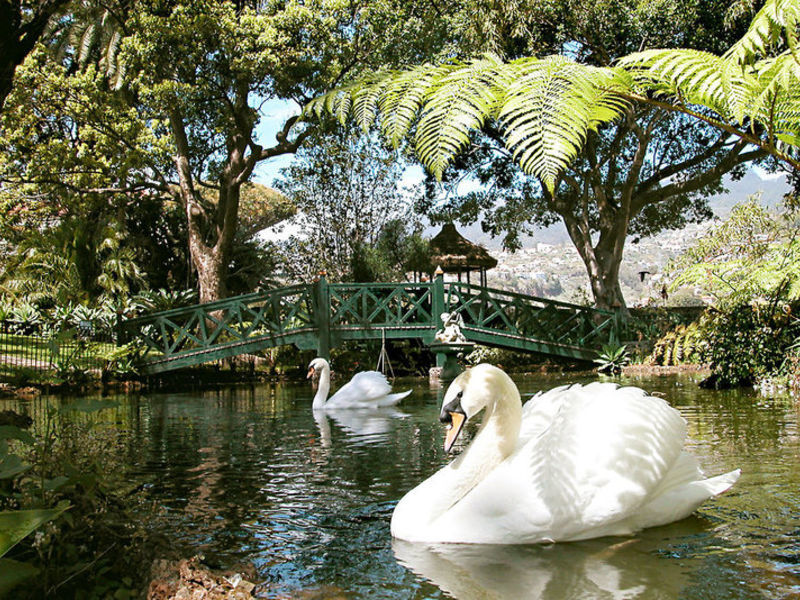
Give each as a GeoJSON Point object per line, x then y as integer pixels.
{"type": "Point", "coordinates": [249, 475]}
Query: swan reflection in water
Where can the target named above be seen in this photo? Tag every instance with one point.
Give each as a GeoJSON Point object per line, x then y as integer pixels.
{"type": "Point", "coordinates": [602, 568]}
{"type": "Point", "coordinates": [362, 426]}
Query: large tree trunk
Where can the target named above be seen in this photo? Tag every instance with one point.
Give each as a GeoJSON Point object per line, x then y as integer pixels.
{"type": "Point", "coordinates": [602, 260]}
{"type": "Point", "coordinates": [211, 229]}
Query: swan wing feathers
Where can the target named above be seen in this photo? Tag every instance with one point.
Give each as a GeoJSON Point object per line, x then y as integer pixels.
{"type": "Point", "coordinates": [588, 457]}
{"type": "Point", "coordinates": [365, 389]}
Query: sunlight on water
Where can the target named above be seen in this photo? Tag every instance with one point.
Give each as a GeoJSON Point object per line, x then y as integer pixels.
{"type": "Point", "coordinates": [253, 475]}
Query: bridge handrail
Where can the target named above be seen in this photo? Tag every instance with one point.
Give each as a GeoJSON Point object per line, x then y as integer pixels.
{"type": "Point", "coordinates": [215, 305]}
{"type": "Point", "coordinates": [324, 314]}
{"type": "Point", "coordinates": [528, 298]}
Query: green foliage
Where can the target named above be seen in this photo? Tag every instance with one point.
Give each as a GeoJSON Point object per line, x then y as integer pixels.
{"type": "Point", "coordinates": [120, 361]}
{"type": "Point", "coordinates": [750, 341]}
{"type": "Point", "coordinates": [94, 548]}
{"type": "Point", "coordinates": [158, 300]}
{"type": "Point", "coordinates": [103, 114]}
{"type": "Point", "coordinates": [755, 80]}
{"type": "Point", "coordinates": [685, 344]}
{"type": "Point", "coordinates": [755, 253]}
{"type": "Point", "coordinates": [609, 157]}
{"type": "Point", "coordinates": [612, 358]}
{"type": "Point", "coordinates": [354, 221]}
{"type": "Point", "coordinates": [16, 524]}
{"type": "Point", "coordinates": [75, 258]}
{"type": "Point", "coordinates": [545, 108]}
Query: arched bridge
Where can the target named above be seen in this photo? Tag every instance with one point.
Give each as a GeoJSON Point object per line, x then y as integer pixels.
{"type": "Point", "coordinates": [322, 315]}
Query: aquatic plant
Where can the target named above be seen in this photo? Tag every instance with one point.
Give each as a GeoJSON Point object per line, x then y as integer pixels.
{"type": "Point", "coordinates": [612, 358]}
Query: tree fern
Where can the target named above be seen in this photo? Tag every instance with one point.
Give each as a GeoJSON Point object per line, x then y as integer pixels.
{"type": "Point", "coordinates": [695, 77]}
{"type": "Point", "coordinates": [777, 19]}
{"type": "Point", "coordinates": [457, 103]}
{"type": "Point", "coordinates": [544, 107]}
{"type": "Point", "coordinates": [548, 108]}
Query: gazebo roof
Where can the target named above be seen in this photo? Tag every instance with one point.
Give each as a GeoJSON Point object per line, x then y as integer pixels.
{"type": "Point", "coordinates": [455, 253]}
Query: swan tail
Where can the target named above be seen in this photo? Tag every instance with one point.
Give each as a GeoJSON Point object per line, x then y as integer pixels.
{"type": "Point", "coordinates": [721, 483]}
{"type": "Point", "coordinates": [393, 399]}
{"type": "Point", "coordinates": [682, 500]}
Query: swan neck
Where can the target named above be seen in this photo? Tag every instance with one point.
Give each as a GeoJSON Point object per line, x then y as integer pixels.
{"type": "Point", "coordinates": [493, 443]}
{"type": "Point", "coordinates": [323, 387]}
{"type": "Point", "coordinates": [495, 440]}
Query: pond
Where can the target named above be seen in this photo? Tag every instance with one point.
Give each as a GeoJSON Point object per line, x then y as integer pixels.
{"type": "Point", "coordinates": [250, 475]}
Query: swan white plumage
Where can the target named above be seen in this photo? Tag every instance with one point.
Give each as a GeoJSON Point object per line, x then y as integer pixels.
{"type": "Point", "coordinates": [368, 389]}
{"type": "Point", "coordinates": [575, 463]}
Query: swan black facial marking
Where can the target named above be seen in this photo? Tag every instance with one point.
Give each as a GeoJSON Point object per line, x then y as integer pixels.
{"type": "Point", "coordinates": [453, 406]}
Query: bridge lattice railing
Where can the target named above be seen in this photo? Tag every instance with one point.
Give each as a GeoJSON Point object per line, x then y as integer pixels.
{"type": "Point", "coordinates": [263, 317]}
{"type": "Point", "coordinates": [380, 305]}
{"type": "Point", "coordinates": [517, 316]}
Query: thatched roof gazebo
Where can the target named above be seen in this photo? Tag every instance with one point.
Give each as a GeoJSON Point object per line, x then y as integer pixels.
{"type": "Point", "coordinates": [456, 254]}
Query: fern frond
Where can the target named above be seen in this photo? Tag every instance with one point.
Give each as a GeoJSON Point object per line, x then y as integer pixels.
{"type": "Point", "coordinates": [774, 18]}
{"type": "Point", "coordinates": [549, 108]}
{"type": "Point", "coordinates": [695, 77]}
{"type": "Point", "coordinates": [403, 97]}
{"type": "Point", "coordinates": [459, 102]}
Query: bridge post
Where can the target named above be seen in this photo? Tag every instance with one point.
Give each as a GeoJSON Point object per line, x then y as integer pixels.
{"type": "Point", "coordinates": [322, 316]}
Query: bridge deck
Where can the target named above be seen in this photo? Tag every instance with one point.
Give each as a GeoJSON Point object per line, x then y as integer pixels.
{"type": "Point", "coordinates": [322, 315]}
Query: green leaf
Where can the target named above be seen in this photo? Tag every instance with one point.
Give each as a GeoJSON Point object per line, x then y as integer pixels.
{"type": "Point", "coordinates": [11, 432]}
{"type": "Point", "coordinates": [11, 466]}
{"type": "Point", "coordinates": [12, 573]}
{"type": "Point", "coordinates": [789, 138]}
{"type": "Point", "coordinates": [55, 483]}
{"type": "Point", "coordinates": [16, 524]}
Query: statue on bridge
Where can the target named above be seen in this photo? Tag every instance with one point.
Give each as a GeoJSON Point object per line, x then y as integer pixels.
{"type": "Point", "coordinates": [451, 332]}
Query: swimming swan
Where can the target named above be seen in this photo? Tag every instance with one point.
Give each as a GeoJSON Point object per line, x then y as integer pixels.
{"type": "Point", "coordinates": [368, 389]}
{"type": "Point", "coordinates": [575, 463]}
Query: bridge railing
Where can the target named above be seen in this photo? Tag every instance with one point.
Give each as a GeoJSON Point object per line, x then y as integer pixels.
{"type": "Point", "coordinates": [517, 318]}
{"type": "Point", "coordinates": [374, 306]}
{"type": "Point", "coordinates": [321, 315]}
{"type": "Point", "coordinates": [256, 320]}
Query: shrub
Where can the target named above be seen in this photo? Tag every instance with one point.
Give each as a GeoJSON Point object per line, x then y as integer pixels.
{"type": "Point", "coordinates": [749, 341]}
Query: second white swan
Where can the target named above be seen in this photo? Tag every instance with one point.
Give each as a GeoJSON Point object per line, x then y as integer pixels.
{"type": "Point", "coordinates": [368, 389]}
{"type": "Point", "coordinates": [574, 463]}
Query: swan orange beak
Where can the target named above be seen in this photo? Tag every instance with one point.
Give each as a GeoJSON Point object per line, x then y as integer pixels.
{"type": "Point", "coordinates": [453, 429]}
{"type": "Point", "coordinates": [310, 373]}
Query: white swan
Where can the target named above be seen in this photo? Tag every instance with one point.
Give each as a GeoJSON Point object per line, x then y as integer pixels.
{"type": "Point", "coordinates": [574, 463]}
{"type": "Point", "coordinates": [368, 389]}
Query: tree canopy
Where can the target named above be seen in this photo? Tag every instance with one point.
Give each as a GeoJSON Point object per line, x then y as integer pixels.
{"type": "Point", "coordinates": [182, 123]}
{"type": "Point", "coordinates": [610, 154]}
{"type": "Point", "coordinates": [353, 215]}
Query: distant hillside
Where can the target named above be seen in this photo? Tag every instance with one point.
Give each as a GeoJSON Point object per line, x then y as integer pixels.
{"type": "Point", "coordinates": [548, 264]}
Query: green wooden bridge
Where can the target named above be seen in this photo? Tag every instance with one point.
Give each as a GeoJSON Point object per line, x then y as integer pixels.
{"type": "Point", "coordinates": [322, 315]}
